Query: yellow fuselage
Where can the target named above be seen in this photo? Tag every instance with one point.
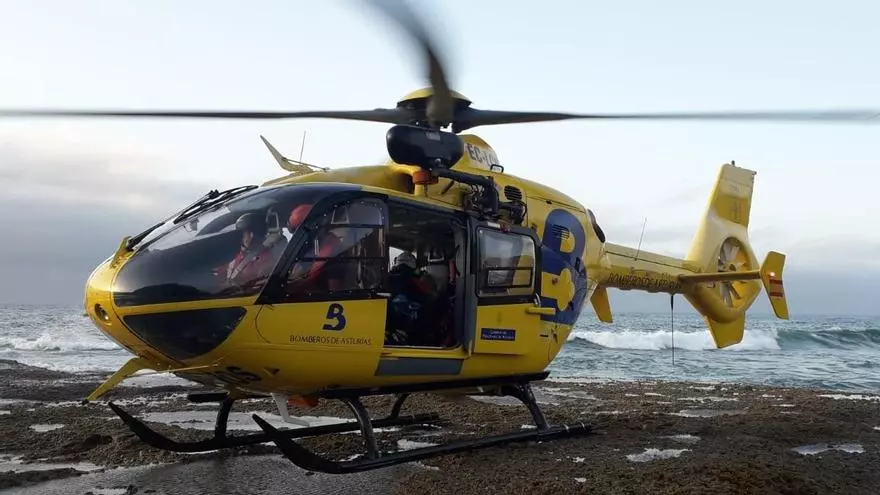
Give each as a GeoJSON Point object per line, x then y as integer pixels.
{"type": "Point", "coordinates": [287, 347]}
{"type": "Point", "coordinates": [263, 343]}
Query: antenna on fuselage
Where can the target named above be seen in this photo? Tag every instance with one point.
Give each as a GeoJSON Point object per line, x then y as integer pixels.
{"type": "Point", "coordinates": [639, 249]}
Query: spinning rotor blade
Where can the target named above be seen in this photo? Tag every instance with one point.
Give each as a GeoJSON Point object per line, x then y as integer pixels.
{"type": "Point", "coordinates": [441, 105]}
{"type": "Point", "coordinates": [473, 117]}
{"type": "Point", "coordinates": [442, 108]}
{"type": "Point", "coordinates": [386, 115]}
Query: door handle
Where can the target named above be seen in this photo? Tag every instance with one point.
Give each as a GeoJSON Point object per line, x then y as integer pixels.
{"type": "Point", "coordinates": [532, 310]}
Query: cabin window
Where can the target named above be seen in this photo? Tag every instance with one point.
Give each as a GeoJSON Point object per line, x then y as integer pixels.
{"type": "Point", "coordinates": [507, 264]}
{"type": "Point", "coordinates": [345, 252]}
{"type": "Point", "coordinates": [229, 250]}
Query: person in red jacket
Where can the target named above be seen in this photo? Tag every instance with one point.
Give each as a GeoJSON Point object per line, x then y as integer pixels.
{"type": "Point", "coordinates": [253, 263]}
{"type": "Point", "coordinates": [315, 275]}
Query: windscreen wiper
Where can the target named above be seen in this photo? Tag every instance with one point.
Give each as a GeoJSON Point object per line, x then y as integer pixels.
{"type": "Point", "coordinates": [213, 198]}
{"type": "Point", "coordinates": [210, 198]}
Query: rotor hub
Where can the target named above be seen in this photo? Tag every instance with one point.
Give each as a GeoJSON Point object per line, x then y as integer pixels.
{"type": "Point", "coordinates": [419, 99]}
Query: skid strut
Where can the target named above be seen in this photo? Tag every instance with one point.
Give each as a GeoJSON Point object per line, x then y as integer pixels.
{"type": "Point", "coordinates": [373, 459]}
{"type": "Point", "coordinates": [221, 440]}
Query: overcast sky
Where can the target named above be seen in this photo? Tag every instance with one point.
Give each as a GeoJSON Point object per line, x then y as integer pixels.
{"type": "Point", "coordinates": [70, 189]}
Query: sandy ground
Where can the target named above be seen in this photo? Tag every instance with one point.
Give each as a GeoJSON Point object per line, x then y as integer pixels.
{"type": "Point", "coordinates": [648, 437]}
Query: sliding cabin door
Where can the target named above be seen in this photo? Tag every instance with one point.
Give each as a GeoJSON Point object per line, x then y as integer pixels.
{"type": "Point", "coordinates": [505, 278]}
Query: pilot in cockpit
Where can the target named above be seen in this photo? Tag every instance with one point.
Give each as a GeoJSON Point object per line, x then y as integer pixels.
{"type": "Point", "coordinates": [254, 260]}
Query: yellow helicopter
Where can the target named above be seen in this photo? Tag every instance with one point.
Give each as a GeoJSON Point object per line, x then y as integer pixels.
{"type": "Point", "coordinates": [435, 272]}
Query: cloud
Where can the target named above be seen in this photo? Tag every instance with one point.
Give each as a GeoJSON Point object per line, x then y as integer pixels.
{"type": "Point", "coordinates": [77, 178]}
{"type": "Point", "coordinates": [65, 212]}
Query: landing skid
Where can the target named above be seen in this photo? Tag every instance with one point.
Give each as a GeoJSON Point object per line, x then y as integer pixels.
{"type": "Point", "coordinates": [517, 386]}
{"type": "Point", "coordinates": [221, 440]}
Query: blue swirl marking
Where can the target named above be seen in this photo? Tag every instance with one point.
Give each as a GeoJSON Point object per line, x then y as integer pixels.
{"type": "Point", "coordinates": [554, 261]}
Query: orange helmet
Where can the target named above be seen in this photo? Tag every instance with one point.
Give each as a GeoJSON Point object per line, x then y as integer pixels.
{"type": "Point", "coordinates": [298, 215]}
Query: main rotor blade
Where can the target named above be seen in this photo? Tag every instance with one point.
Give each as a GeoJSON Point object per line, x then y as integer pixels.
{"type": "Point", "coordinates": [441, 105]}
{"type": "Point", "coordinates": [472, 117]}
{"type": "Point", "coordinates": [385, 115]}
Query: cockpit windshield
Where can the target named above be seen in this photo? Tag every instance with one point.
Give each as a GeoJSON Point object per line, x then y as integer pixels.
{"type": "Point", "coordinates": [226, 250]}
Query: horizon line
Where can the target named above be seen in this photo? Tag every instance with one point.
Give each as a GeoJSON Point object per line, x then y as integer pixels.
{"type": "Point", "coordinates": [690, 312]}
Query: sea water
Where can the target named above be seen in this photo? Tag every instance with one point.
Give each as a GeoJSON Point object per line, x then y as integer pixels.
{"type": "Point", "coordinates": [831, 352]}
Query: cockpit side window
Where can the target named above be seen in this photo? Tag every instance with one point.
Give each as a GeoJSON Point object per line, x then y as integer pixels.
{"type": "Point", "coordinates": [345, 252]}
{"type": "Point", "coordinates": [229, 250]}
{"type": "Point", "coordinates": [507, 264]}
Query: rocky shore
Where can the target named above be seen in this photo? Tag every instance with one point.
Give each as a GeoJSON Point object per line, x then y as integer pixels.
{"type": "Point", "coordinates": [648, 437]}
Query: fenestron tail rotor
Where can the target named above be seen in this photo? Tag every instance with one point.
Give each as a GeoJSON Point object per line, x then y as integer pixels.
{"type": "Point", "coordinates": [732, 258]}
{"type": "Point", "coordinates": [440, 107]}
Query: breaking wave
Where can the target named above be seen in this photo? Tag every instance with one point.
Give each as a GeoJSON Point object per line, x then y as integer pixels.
{"type": "Point", "coordinates": [57, 343]}
{"type": "Point", "coordinates": [753, 340]}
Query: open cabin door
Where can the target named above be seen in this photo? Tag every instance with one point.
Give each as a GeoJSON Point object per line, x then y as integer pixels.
{"type": "Point", "coordinates": [506, 277]}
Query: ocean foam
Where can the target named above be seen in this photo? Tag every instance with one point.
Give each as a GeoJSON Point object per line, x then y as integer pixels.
{"type": "Point", "coordinates": [404, 444]}
{"type": "Point", "coordinates": [424, 466]}
{"type": "Point", "coordinates": [503, 400]}
{"type": "Point", "coordinates": [580, 380]}
{"type": "Point", "coordinates": [43, 428]}
{"type": "Point", "coordinates": [710, 399]}
{"type": "Point", "coordinates": [204, 420]}
{"type": "Point", "coordinates": [656, 454]}
{"type": "Point", "coordinates": [706, 413]}
{"type": "Point", "coordinates": [17, 465]}
{"type": "Point", "coordinates": [68, 342]}
{"type": "Point", "coordinates": [496, 400]}
{"type": "Point", "coordinates": [661, 339]}
{"type": "Point", "coordinates": [564, 392]}
{"type": "Point", "coordinates": [850, 397]}
{"type": "Point", "coordinates": [818, 448]}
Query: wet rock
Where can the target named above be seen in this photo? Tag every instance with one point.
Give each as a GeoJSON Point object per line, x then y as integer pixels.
{"type": "Point", "coordinates": [750, 451]}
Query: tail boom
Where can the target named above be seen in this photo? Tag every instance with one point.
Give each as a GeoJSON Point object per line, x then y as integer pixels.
{"type": "Point", "coordinates": [632, 269]}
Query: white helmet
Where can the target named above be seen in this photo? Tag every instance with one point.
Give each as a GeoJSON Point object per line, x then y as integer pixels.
{"type": "Point", "coordinates": [405, 258]}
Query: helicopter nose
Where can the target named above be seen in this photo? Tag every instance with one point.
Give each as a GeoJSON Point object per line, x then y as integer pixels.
{"type": "Point", "coordinates": [98, 306]}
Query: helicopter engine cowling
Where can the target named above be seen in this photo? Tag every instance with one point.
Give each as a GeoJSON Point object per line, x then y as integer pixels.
{"type": "Point", "coordinates": [426, 148]}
